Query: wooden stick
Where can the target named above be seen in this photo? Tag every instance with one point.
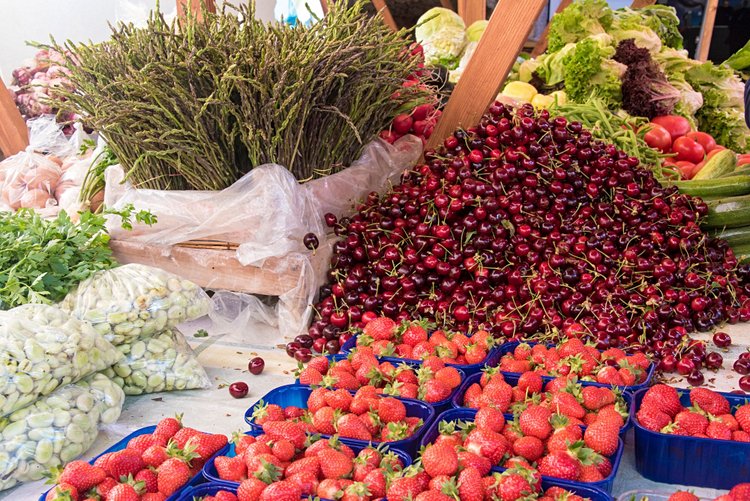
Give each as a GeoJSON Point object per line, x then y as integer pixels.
{"type": "Point", "coordinates": [381, 7]}
{"type": "Point", "coordinates": [447, 4]}
{"type": "Point", "coordinates": [14, 136]}
{"type": "Point", "coordinates": [508, 29]}
{"type": "Point", "coordinates": [707, 30]}
{"type": "Point", "coordinates": [472, 10]}
{"type": "Point", "coordinates": [541, 44]}
{"type": "Point", "coordinates": [324, 6]}
{"type": "Point", "coordinates": [637, 4]}
{"type": "Point", "coordinates": [195, 7]}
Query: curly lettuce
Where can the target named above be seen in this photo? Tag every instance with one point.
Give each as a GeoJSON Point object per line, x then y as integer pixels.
{"type": "Point", "coordinates": [579, 20]}
{"type": "Point", "coordinates": [590, 72]}
{"type": "Point", "coordinates": [740, 60]}
{"type": "Point", "coordinates": [442, 34]}
{"type": "Point", "coordinates": [661, 20]}
{"type": "Point", "coordinates": [726, 125]}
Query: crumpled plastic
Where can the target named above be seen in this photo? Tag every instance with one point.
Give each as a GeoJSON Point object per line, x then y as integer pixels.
{"type": "Point", "coordinates": [162, 362]}
{"type": "Point", "coordinates": [56, 429]}
{"type": "Point", "coordinates": [266, 212]}
{"type": "Point", "coordinates": [42, 348]}
{"type": "Point", "coordinates": [134, 300]}
{"type": "Point", "coordinates": [48, 174]}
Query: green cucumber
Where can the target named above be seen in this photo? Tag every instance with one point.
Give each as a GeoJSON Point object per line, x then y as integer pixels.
{"type": "Point", "coordinates": [719, 164]}
{"type": "Point", "coordinates": [735, 236]}
{"type": "Point", "coordinates": [730, 212]}
{"type": "Point", "coordinates": [721, 187]}
{"type": "Point", "coordinates": [742, 170]}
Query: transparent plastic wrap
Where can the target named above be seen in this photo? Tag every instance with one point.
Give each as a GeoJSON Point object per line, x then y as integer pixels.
{"type": "Point", "coordinates": [56, 429]}
{"type": "Point", "coordinates": [134, 301]}
{"type": "Point", "coordinates": [163, 362]}
{"type": "Point", "coordinates": [266, 212]}
{"type": "Point", "coordinates": [29, 178]}
{"type": "Point", "coordinates": [42, 348]}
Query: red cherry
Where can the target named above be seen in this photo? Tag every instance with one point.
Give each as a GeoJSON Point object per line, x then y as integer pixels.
{"type": "Point", "coordinates": [685, 366]}
{"type": "Point", "coordinates": [722, 339]}
{"type": "Point", "coordinates": [745, 383]}
{"type": "Point", "coordinates": [695, 378]}
{"type": "Point", "coordinates": [238, 390]}
{"type": "Point", "coordinates": [256, 365]}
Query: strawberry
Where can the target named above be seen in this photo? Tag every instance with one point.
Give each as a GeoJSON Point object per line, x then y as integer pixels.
{"type": "Point", "coordinates": [741, 436]}
{"type": "Point", "coordinates": [307, 482]}
{"type": "Point", "coordinates": [310, 376]}
{"type": "Point", "coordinates": [281, 491]}
{"type": "Point", "coordinates": [690, 423]}
{"type": "Point", "coordinates": [335, 464]}
{"type": "Point", "coordinates": [433, 496]}
{"type": "Point", "coordinates": [512, 486]}
{"type": "Point", "coordinates": [391, 410]}
{"type": "Point", "coordinates": [223, 496]}
{"type": "Point", "coordinates": [81, 475]}
{"type": "Point", "coordinates": [172, 475]}
{"type": "Point", "coordinates": [123, 463]}
{"type": "Point", "coordinates": [468, 459]}
{"type": "Point", "coordinates": [472, 396]}
{"type": "Point", "coordinates": [267, 412]}
{"type": "Point", "coordinates": [740, 492]}
{"type": "Point", "coordinates": [602, 437]}
{"type": "Point", "coordinates": [530, 382]}
{"type": "Point", "coordinates": [103, 487]}
{"type": "Point", "coordinates": [439, 460]}
{"type": "Point", "coordinates": [590, 473]}
{"type": "Point", "coordinates": [566, 404]}
{"type": "Point", "coordinates": [286, 430]}
{"type": "Point", "coordinates": [376, 481]}
{"type": "Point", "coordinates": [561, 465]}
{"type": "Point", "coordinates": [346, 381]}
{"type": "Point", "coordinates": [709, 401]}
{"type": "Point", "coordinates": [339, 399]}
{"type": "Point", "coordinates": [470, 486]}
{"type": "Point", "coordinates": [351, 426]}
{"type": "Point", "coordinates": [487, 443]}
{"type": "Point", "coordinates": [62, 491]}
{"type": "Point", "coordinates": [534, 421]}
{"type": "Point", "coordinates": [182, 437]}
{"type": "Point", "coordinates": [267, 467]}
{"type": "Point", "coordinates": [381, 328]}
{"type": "Point", "coordinates": [168, 427]}
{"type": "Point", "coordinates": [231, 468]}
{"type": "Point", "coordinates": [155, 496]}
{"type": "Point", "coordinates": [319, 363]}
{"type": "Point", "coordinates": [123, 492]}
{"type": "Point", "coordinates": [490, 418]}
{"type": "Point", "coordinates": [652, 419]}
{"type": "Point", "coordinates": [323, 420]}
{"type": "Point", "coordinates": [143, 442]}
{"type": "Point", "coordinates": [304, 465]}
{"type": "Point", "coordinates": [742, 415]}
{"type": "Point", "coordinates": [475, 353]}
{"type": "Point", "coordinates": [683, 496]}
{"type": "Point", "coordinates": [435, 390]}
{"type": "Point", "coordinates": [530, 448]}
{"type": "Point", "coordinates": [497, 394]}
{"type": "Point", "coordinates": [594, 397]}
{"type": "Point", "coordinates": [207, 444]}
{"type": "Point", "coordinates": [664, 398]}
{"type": "Point", "coordinates": [403, 489]}
{"type": "Point", "coordinates": [718, 431]}
{"type": "Point", "coordinates": [414, 334]}
{"type": "Point", "coordinates": [450, 376]}
{"type": "Point", "coordinates": [148, 477]}
{"type": "Point", "coordinates": [250, 489]}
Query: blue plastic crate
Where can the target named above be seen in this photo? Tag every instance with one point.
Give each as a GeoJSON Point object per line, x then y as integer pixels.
{"type": "Point", "coordinates": [466, 414]}
{"type": "Point", "coordinates": [122, 444]}
{"type": "Point", "coordinates": [701, 462]}
{"type": "Point", "coordinates": [512, 380]}
{"type": "Point", "coordinates": [493, 358]}
{"type": "Point", "coordinates": [442, 405]}
{"type": "Point", "coordinates": [211, 475]}
{"type": "Point", "coordinates": [297, 395]}
{"type": "Point", "coordinates": [511, 346]}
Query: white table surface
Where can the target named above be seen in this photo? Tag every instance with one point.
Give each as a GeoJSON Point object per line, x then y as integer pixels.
{"type": "Point", "coordinates": [225, 358]}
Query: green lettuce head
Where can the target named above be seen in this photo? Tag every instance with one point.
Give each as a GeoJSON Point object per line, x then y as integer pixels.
{"type": "Point", "coordinates": [579, 20]}
{"type": "Point", "coordinates": [442, 34]}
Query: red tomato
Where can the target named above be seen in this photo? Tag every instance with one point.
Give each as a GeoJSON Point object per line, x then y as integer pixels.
{"type": "Point", "coordinates": [670, 161]}
{"type": "Point", "coordinates": [705, 140]}
{"type": "Point", "coordinates": [675, 125]}
{"type": "Point", "coordinates": [697, 169]}
{"type": "Point", "coordinates": [689, 150]}
{"type": "Point", "coordinates": [658, 138]}
{"type": "Point", "coordinates": [743, 159]}
{"type": "Point", "coordinates": [686, 169]}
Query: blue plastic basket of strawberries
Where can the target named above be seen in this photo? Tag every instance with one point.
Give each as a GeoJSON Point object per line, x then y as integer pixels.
{"type": "Point", "coordinates": [157, 462]}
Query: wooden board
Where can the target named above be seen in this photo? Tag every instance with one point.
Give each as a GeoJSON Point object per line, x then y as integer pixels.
{"type": "Point", "coordinates": [472, 10]}
{"type": "Point", "coordinates": [707, 31]}
{"type": "Point", "coordinates": [195, 7]}
{"type": "Point", "coordinates": [381, 7]}
{"type": "Point", "coordinates": [508, 29]}
{"type": "Point", "coordinates": [541, 44]}
{"type": "Point", "coordinates": [14, 135]}
{"type": "Point", "coordinates": [212, 269]}
{"type": "Point", "coordinates": [637, 4]}
{"type": "Point", "coordinates": [324, 6]}
{"type": "Point", "coordinates": [447, 4]}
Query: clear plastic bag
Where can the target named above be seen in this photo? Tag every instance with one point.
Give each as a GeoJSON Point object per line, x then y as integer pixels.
{"type": "Point", "coordinates": [134, 301]}
{"type": "Point", "coordinates": [42, 348]}
{"type": "Point", "coordinates": [56, 429]}
{"type": "Point", "coordinates": [30, 178]}
{"type": "Point", "coordinates": [163, 362]}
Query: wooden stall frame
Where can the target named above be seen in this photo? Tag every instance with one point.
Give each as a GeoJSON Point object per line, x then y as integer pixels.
{"type": "Point", "coordinates": [14, 135]}
{"type": "Point", "coordinates": [472, 10]}
{"type": "Point", "coordinates": [194, 6]}
{"type": "Point", "coordinates": [508, 28]}
{"type": "Point", "coordinates": [707, 31]}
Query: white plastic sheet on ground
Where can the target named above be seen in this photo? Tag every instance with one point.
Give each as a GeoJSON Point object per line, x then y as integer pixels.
{"type": "Point", "coordinates": [266, 212]}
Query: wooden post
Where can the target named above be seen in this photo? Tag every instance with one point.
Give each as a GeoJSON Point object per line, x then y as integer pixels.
{"type": "Point", "coordinates": [508, 29]}
{"type": "Point", "coordinates": [541, 44]}
{"type": "Point", "coordinates": [381, 7]}
{"type": "Point", "coordinates": [447, 4]}
{"type": "Point", "coordinates": [324, 6]}
{"type": "Point", "coordinates": [472, 10]}
{"type": "Point", "coordinates": [707, 30]}
{"type": "Point", "coordinates": [195, 7]}
{"type": "Point", "coordinates": [637, 4]}
{"type": "Point", "coordinates": [14, 135]}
